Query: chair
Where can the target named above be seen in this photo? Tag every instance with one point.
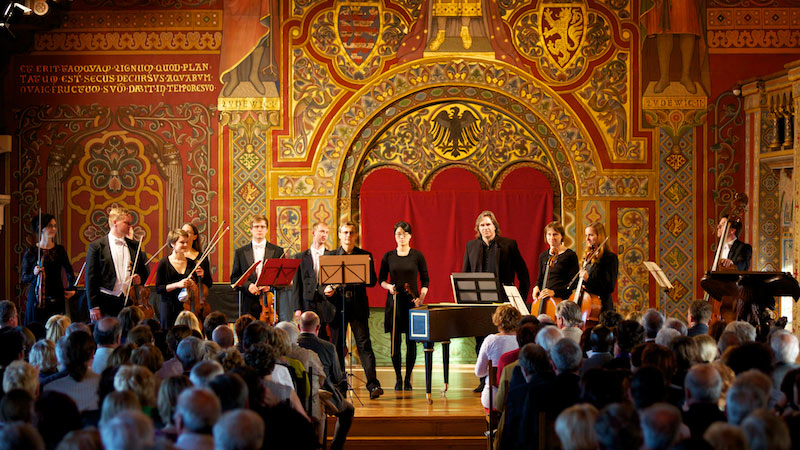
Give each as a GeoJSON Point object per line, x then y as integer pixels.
{"type": "Point", "coordinates": [492, 418]}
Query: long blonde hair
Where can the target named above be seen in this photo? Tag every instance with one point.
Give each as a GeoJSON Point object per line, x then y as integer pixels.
{"type": "Point", "coordinates": [600, 231]}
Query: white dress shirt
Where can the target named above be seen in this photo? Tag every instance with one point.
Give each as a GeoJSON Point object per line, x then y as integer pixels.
{"type": "Point", "coordinates": [258, 254]}
{"type": "Point", "coordinates": [315, 254]}
{"type": "Point", "coordinates": [122, 261]}
{"type": "Point", "coordinates": [726, 249]}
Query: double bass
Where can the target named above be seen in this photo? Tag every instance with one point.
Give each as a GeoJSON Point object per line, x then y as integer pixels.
{"type": "Point", "coordinates": [590, 304]}
{"type": "Point", "coordinates": [546, 305]}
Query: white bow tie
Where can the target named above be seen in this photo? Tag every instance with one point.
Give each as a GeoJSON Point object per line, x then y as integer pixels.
{"type": "Point", "coordinates": [120, 241]}
{"type": "Point", "coordinates": [259, 246]}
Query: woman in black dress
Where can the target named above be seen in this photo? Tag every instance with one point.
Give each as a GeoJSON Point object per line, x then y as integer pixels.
{"type": "Point", "coordinates": [54, 260]}
{"type": "Point", "coordinates": [403, 266]}
{"type": "Point", "coordinates": [194, 251]}
{"type": "Point", "coordinates": [172, 281]}
{"type": "Point", "coordinates": [562, 269]}
{"type": "Point", "coordinates": [600, 275]}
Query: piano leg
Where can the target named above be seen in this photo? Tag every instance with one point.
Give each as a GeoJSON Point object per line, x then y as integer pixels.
{"type": "Point", "coordinates": [428, 346]}
{"type": "Point", "coordinates": [446, 363]}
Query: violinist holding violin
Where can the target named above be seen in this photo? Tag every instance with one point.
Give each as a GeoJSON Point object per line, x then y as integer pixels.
{"type": "Point", "coordinates": [600, 267]}
{"type": "Point", "coordinates": [41, 267]}
{"type": "Point", "coordinates": [563, 264]}
{"type": "Point", "coordinates": [257, 250]}
{"type": "Point", "coordinates": [173, 280]}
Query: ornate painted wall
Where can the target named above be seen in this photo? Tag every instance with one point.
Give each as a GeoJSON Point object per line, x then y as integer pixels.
{"type": "Point", "coordinates": [206, 111]}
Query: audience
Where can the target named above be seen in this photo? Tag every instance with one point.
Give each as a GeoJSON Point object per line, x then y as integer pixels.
{"type": "Point", "coordinates": [652, 321]}
{"type": "Point", "coordinates": [702, 390]}
{"type": "Point", "coordinates": [9, 317]}
{"type": "Point", "coordinates": [699, 316]}
{"type": "Point", "coordinates": [223, 336]}
{"type": "Point", "coordinates": [575, 427]}
{"type": "Point", "coordinates": [107, 335]}
{"type": "Point", "coordinates": [568, 319]}
{"type": "Point", "coordinates": [617, 428]}
{"type": "Point", "coordinates": [785, 346]}
{"type": "Point", "coordinates": [661, 426]}
{"type": "Point", "coordinates": [196, 414]}
{"type": "Point", "coordinates": [129, 430]}
{"type": "Point", "coordinates": [81, 383]}
{"type": "Point", "coordinates": [505, 318]}
{"type": "Point", "coordinates": [239, 429]}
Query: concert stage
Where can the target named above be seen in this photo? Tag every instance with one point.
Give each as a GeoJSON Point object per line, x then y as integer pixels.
{"type": "Point", "coordinates": [405, 420]}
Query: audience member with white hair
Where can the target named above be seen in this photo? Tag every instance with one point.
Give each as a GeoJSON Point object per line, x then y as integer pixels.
{"type": "Point", "coordinates": [666, 335]}
{"type": "Point", "coordinates": [786, 349]}
{"type": "Point", "coordinates": [743, 330]}
{"type": "Point", "coordinates": [677, 325]}
{"type": "Point", "coordinates": [128, 430]}
{"type": "Point", "coordinates": [548, 337]}
{"type": "Point", "coordinates": [205, 371]}
{"type": "Point", "coordinates": [702, 389]}
{"type": "Point", "coordinates": [661, 426]}
{"type": "Point", "coordinates": [196, 414]}
{"type": "Point", "coordinates": [652, 321]}
{"type": "Point", "coordinates": [240, 429]}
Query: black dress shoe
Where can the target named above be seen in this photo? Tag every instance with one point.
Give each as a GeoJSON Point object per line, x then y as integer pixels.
{"type": "Point", "coordinates": [398, 386]}
{"type": "Point", "coordinates": [375, 392]}
{"type": "Point", "coordinates": [479, 389]}
{"type": "Point", "coordinates": [407, 385]}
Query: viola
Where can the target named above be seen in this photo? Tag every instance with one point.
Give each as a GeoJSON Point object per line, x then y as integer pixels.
{"type": "Point", "coordinates": [196, 302]}
{"type": "Point", "coordinates": [546, 305]}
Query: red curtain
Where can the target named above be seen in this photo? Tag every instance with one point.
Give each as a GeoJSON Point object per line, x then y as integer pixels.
{"type": "Point", "coordinates": [443, 219]}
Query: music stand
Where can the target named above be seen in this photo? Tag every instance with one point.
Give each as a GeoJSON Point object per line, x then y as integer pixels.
{"type": "Point", "coordinates": [345, 270]}
{"type": "Point", "coordinates": [242, 279]}
{"type": "Point", "coordinates": [475, 287]}
{"type": "Point", "coordinates": [277, 273]}
{"type": "Point", "coordinates": [661, 280]}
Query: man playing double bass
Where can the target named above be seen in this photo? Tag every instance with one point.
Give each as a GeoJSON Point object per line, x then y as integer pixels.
{"type": "Point", "coordinates": [735, 253]}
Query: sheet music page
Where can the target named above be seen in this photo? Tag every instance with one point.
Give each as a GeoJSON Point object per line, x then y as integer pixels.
{"type": "Point", "coordinates": [516, 299]}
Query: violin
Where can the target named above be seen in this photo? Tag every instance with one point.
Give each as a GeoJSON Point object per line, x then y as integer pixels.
{"type": "Point", "coordinates": [138, 294]}
{"type": "Point", "coordinates": [724, 309]}
{"type": "Point", "coordinates": [546, 305]}
{"type": "Point", "coordinates": [268, 313]}
{"type": "Point", "coordinates": [198, 292]}
{"type": "Point", "coordinates": [590, 304]}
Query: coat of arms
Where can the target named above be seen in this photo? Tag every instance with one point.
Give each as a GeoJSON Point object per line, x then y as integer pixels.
{"type": "Point", "coordinates": [562, 29]}
{"type": "Point", "coordinates": [358, 27]}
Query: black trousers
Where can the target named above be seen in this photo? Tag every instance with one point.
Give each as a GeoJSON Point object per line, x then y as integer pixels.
{"type": "Point", "coordinates": [363, 343]}
{"type": "Point", "coordinates": [110, 306]}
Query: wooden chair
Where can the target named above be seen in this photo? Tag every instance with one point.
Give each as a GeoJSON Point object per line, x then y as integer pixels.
{"type": "Point", "coordinates": [491, 417]}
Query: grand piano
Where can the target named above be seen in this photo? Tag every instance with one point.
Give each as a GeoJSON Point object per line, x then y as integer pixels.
{"type": "Point", "coordinates": [440, 323]}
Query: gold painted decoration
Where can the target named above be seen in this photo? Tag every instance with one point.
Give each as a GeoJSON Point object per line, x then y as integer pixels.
{"type": "Point", "coordinates": [455, 131]}
{"type": "Point", "coordinates": [562, 28]}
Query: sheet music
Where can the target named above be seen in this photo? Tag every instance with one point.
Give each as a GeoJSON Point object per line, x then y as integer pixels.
{"type": "Point", "coordinates": [516, 300]}
{"type": "Point", "coordinates": [658, 274]}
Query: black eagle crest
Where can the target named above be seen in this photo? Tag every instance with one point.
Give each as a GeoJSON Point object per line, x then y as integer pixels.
{"type": "Point", "coordinates": [455, 133]}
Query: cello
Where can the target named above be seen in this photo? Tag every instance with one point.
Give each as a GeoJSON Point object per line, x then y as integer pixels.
{"type": "Point", "coordinates": [546, 305]}
{"type": "Point", "coordinates": [724, 309]}
{"type": "Point", "coordinates": [590, 304]}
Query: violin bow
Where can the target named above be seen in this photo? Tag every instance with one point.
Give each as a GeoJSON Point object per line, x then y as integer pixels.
{"type": "Point", "coordinates": [133, 269]}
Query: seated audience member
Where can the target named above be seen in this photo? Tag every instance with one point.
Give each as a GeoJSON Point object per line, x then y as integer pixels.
{"type": "Point", "coordinates": [128, 430]}
{"type": "Point", "coordinates": [262, 357]}
{"type": "Point", "coordinates": [223, 336]}
{"type": "Point", "coordinates": [116, 402]}
{"type": "Point", "coordinates": [173, 366]}
{"type": "Point", "coordinates": [554, 395]}
{"type": "Point", "coordinates": [16, 406]}
{"type": "Point", "coordinates": [189, 319]}
{"type": "Point", "coordinates": [677, 325]}
{"type": "Point", "coordinates": [750, 355]}
{"type": "Point", "coordinates": [601, 387]}
{"type": "Point", "coordinates": [535, 367]}
{"type": "Point", "coordinates": [55, 415]}
{"type": "Point", "coordinates": [43, 357]}
{"type": "Point", "coordinates": [724, 436]}
{"type": "Point", "coordinates": [547, 337]}
{"type": "Point", "coordinates": [168, 394]}
{"type": "Point", "coordinates": [510, 356]}
{"type": "Point", "coordinates": [706, 348]}
{"type": "Point", "coordinates": [196, 413]}
{"type": "Point", "coordinates": [86, 439]}
{"type": "Point", "coordinates": [662, 358]}
{"type": "Point", "coordinates": [254, 333]}
{"type": "Point", "coordinates": [648, 387]}
{"type": "Point", "coordinates": [107, 334]}
{"type": "Point", "coordinates": [334, 381]}
{"type": "Point", "coordinates": [241, 323]}
{"type": "Point", "coordinates": [9, 318]}
{"type": "Point", "coordinates": [240, 429]}
{"type": "Point", "coordinates": [629, 334]}
{"type": "Point", "coordinates": [661, 426]}
{"type": "Point", "coordinates": [785, 346]}
{"type": "Point", "coordinates": [11, 347]}
{"type": "Point", "coordinates": [746, 395]}
{"type": "Point", "coordinates": [21, 375]}
{"type": "Point", "coordinates": [568, 319]}
{"type": "Point", "coordinates": [149, 356]}
{"type": "Point", "coordinates": [728, 377]}
{"type": "Point", "coordinates": [28, 340]}
{"type": "Point", "coordinates": [231, 391]}
{"type": "Point", "coordinates": [652, 321]}
{"type": "Point", "coordinates": [212, 321]}
{"type": "Point", "coordinates": [716, 329]}
{"type": "Point", "coordinates": [699, 316]}
{"type": "Point", "coordinates": [230, 358]}
{"type": "Point", "coordinates": [544, 319]}
{"type": "Point", "coordinates": [140, 335]}
{"type": "Point", "coordinates": [743, 330]}
{"type": "Point", "coordinates": [766, 431]}
{"type": "Point", "coordinates": [601, 342]}
{"type": "Point", "coordinates": [665, 336]}
{"type": "Point", "coordinates": [609, 319]}
{"type": "Point", "coordinates": [20, 435]}
{"type": "Point", "coordinates": [505, 318]}
{"type": "Point", "coordinates": [141, 381]}
{"type": "Point", "coordinates": [617, 428]}
{"type": "Point", "coordinates": [205, 371]}
{"type": "Point", "coordinates": [190, 352]}
{"type": "Point", "coordinates": [686, 355]}
{"type": "Point", "coordinates": [129, 317]}
{"type": "Point", "coordinates": [281, 341]}
{"type": "Point", "coordinates": [210, 350]}
{"type": "Point", "coordinates": [790, 387]}
{"type": "Point", "coordinates": [703, 388]}
{"type": "Point", "coordinates": [56, 327]}
{"type": "Point", "coordinates": [575, 427]}
{"type": "Point", "coordinates": [728, 339]}
{"type": "Point", "coordinates": [526, 334]}
{"type": "Point", "coordinates": [121, 355]}
{"type": "Point", "coordinates": [81, 384]}
{"type": "Point", "coordinates": [75, 326]}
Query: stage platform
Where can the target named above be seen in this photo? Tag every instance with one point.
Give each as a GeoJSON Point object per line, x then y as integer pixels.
{"type": "Point", "coordinates": [405, 420]}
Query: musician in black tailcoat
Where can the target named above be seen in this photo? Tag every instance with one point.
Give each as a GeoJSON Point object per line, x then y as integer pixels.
{"type": "Point", "coordinates": [735, 253]}
{"type": "Point", "coordinates": [307, 292]}
{"type": "Point", "coordinates": [490, 252]}
{"type": "Point", "coordinates": [356, 310]}
{"type": "Point", "coordinates": [257, 250]}
{"type": "Point", "coordinates": [108, 267]}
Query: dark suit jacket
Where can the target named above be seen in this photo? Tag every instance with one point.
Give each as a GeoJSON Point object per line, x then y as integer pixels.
{"type": "Point", "coordinates": [509, 263]}
{"type": "Point", "coordinates": [357, 300]}
{"type": "Point", "coordinates": [307, 293]}
{"type": "Point", "coordinates": [596, 360]}
{"type": "Point", "coordinates": [334, 378]}
{"type": "Point", "coordinates": [700, 416]}
{"type": "Point", "coordinates": [243, 259]}
{"type": "Point", "coordinates": [741, 254]}
{"type": "Point", "coordinates": [100, 270]}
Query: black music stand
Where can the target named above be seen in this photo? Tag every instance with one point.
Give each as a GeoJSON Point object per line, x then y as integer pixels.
{"type": "Point", "coordinates": [242, 280]}
{"type": "Point", "coordinates": [346, 270]}
{"type": "Point", "coordinates": [277, 273]}
{"type": "Point", "coordinates": [476, 287]}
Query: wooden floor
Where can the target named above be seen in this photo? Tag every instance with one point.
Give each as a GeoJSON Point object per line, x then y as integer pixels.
{"type": "Point", "coordinates": [405, 420]}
